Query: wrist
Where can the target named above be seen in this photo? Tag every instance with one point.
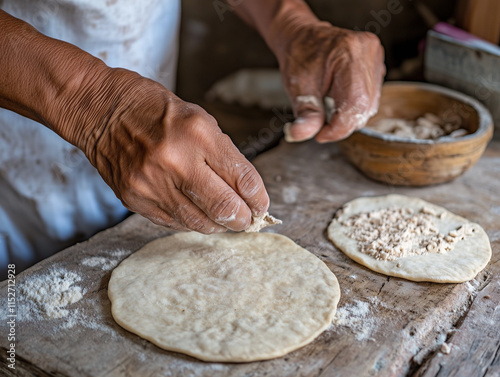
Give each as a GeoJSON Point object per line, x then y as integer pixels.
{"type": "Point", "coordinates": [111, 106]}
{"type": "Point", "coordinates": [75, 110]}
{"type": "Point", "coordinates": [90, 99]}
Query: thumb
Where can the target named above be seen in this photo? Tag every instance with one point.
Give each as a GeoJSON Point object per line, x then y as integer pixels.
{"type": "Point", "coordinates": [310, 118]}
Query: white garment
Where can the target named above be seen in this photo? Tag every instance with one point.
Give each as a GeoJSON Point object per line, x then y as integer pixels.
{"type": "Point", "coordinates": [50, 195]}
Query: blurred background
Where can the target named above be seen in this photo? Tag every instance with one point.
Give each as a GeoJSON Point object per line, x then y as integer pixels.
{"type": "Point", "coordinates": [212, 48]}
{"type": "Point", "coordinates": [215, 43]}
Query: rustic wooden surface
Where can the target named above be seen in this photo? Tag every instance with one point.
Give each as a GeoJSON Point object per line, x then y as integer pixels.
{"type": "Point", "coordinates": [396, 327]}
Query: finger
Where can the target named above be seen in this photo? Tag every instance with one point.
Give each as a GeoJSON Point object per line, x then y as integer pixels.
{"type": "Point", "coordinates": [174, 211]}
{"type": "Point", "coordinates": [241, 176]}
{"type": "Point", "coordinates": [356, 89]}
{"type": "Point", "coordinates": [218, 201]}
{"type": "Point", "coordinates": [156, 215]}
{"type": "Point", "coordinates": [354, 95]}
{"type": "Point", "coordinates": [342, 125]}
{"type": "Point", "coordinates": [310, 117]}
{"type": "Point", "coordinates": [189, 215]}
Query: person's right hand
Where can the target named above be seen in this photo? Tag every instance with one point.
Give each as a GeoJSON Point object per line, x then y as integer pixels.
{"type": "Point", "coordinates": [167, 159]}
{"type": "Point", "coordinates": [164, 158]}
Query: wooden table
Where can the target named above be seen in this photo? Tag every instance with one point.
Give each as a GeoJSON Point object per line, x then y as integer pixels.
{"type": "Point", "coordinates": [385, 326]}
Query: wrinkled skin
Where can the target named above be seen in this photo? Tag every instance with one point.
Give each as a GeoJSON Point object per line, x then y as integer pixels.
{"type": "Point", "coordinates": [169, 161]}
{"type": "Point", "coordinates": [321, 60]}
{"type": "Point", "coordinates": [165, 158]}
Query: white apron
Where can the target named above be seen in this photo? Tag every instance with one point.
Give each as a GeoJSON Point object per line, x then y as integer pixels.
{"type": "Point", "coordinates": [50, 195]}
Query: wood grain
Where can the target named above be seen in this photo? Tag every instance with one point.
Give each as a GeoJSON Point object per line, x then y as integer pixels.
{"type": "Point", "coordinates": [403, 324]}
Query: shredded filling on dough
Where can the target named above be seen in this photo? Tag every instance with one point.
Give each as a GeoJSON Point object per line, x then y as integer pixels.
{"type": "Point", "coordinates": [392, 233]}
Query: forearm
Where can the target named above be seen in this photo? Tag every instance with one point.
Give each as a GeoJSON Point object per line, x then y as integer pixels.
{"type": "Point", "coordinates": [49, 81]}
{"type": "Point", "coordinates": [274, 19]}
{"type": "Point", "coordinates": [163, 157]}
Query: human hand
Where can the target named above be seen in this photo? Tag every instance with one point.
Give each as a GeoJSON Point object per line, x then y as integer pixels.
{"type": "Point", "coordinates": [333, 77]}
{"type": "Point", "coordinates": [168, 160]}
{"type": "Point", "coordinates": [164, 158]}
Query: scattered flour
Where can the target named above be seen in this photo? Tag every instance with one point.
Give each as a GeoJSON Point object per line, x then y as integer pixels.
{"type": "Point", "coordinates": [49, 293]}
{"type": "Point", "coordinates": [104, 263]}
{"type": "Point", "coordinates": [469, 286]}
{"type": "Point", "coordinates": [358, 318]}
{"type": "Point", "coordinates": [473, 286]}
{"type": "Point", "coordinates": [77, 317]}
{"type": "Point", "coordinates": [119, 253]}
{"type": "Point", "coordinates": [290, 194]}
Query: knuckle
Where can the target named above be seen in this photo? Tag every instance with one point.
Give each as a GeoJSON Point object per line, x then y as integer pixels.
{"type": "Point", "coordinates": [224, 140]}
{"type": "Point", "coordinates": [194, 220]}
{"type": "Point", "coordinates": [192, 182]}
{"type": "Point", "coordinates": [201, 125]}
{"type": "Point", "coordinates": [224, 146]}
{"type": "Point", "coordinates": [127, 199]}
{"type": "Point", "coordinates": [226, 208]}
{"type": "Point", "coordinates": [370, 38]}
{"type": "Point", "coordinates": [248, 182]}
{"type": "Point", "coordinates": [166, 222]}
{"type": "Point", "coordinates": [135, 182]}
{"type": "Point", "coordinates": [363, 43]}
{"type": "Point", "coordinates": [351, 41]}
{"type": "Point", "coordinates": [227, 211]}
{"type": "Point", "coordinates": [132, 187]}
{"type": "Point", "coordinates": [260, 204]}
{"type": "Point", "coordinates": [353, 37]}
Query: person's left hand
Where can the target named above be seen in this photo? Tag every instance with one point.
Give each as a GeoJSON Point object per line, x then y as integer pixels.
{"type": "Point", "coordinates": [333, 77]}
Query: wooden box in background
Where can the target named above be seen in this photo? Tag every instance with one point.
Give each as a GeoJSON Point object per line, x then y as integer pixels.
{"type": "Point", "coordinates": [472, 67]}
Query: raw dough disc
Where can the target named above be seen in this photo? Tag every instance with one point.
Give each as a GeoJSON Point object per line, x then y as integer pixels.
{"type": "Point", "coordinates": [224, 297]}
{"type": "Point", "coordinates": [462, 263]}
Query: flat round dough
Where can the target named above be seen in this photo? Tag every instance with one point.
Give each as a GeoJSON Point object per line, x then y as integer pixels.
{"type": "Point", "coordinates": [462, 263]}
{"type": "Point", "coordinates": [224, 297]}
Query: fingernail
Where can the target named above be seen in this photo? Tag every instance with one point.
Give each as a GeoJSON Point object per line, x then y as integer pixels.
{"type": "Point", "coordinates": [287, 129]}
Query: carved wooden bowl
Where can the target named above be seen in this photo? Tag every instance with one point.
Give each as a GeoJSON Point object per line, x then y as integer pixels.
{"type": "Point", "coordinates": [413, 162]}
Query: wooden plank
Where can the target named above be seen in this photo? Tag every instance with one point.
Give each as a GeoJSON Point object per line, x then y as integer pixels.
{"type": "Point", "coordinates": [384, 327]}
{"type": "Point", "coordinates": [475, 343]}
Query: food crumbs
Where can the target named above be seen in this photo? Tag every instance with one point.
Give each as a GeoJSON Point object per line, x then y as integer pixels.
{"type": "Point", "coordinates": [392, 233]}
{"type": "Point", "coordinates": [445, 348]}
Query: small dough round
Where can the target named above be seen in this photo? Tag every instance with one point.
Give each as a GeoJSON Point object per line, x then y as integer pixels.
{"type": "Point", "coordinates": [224, 297]}
{"type": "Point", "coordinates": [462, 263]}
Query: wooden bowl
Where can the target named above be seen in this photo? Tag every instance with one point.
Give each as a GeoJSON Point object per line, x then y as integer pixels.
{"type": "Point", "coordinates": [413, 162]}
